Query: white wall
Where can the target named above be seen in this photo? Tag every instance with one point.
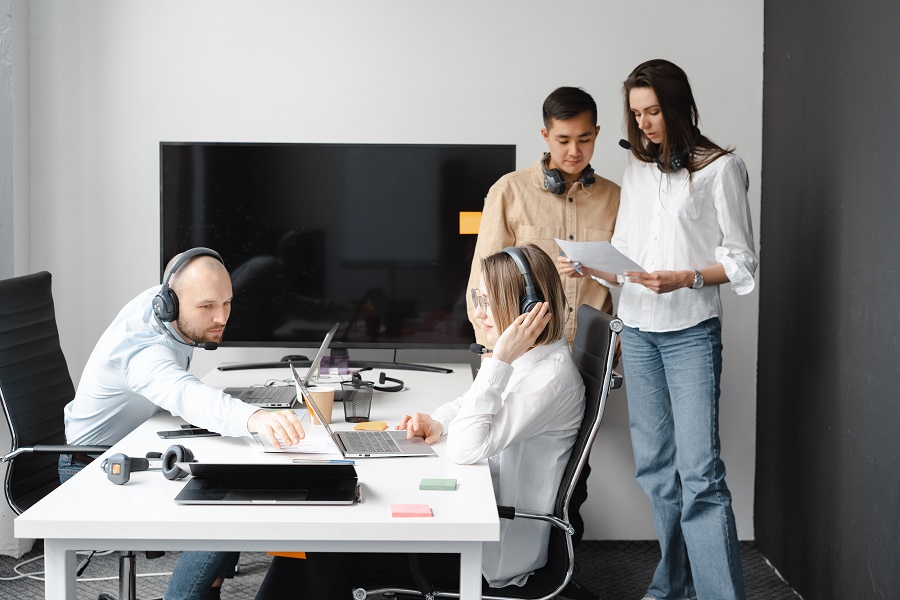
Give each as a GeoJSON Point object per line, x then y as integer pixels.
{"type": "Point", "coordinates": [110, 80]}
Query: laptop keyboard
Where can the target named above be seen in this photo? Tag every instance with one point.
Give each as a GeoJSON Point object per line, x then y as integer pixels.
{"type": "Point", "coordinates": [369, 442]}
{"type": "Point", "coordinates": [262, 395]}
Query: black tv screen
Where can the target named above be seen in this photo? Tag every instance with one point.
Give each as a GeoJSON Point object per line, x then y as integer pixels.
{"type": "Point", "coordinates": [367, 235]}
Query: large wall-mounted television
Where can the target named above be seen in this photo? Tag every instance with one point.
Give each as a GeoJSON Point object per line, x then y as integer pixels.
{"type": "Point", "coordinates": [367, 235]}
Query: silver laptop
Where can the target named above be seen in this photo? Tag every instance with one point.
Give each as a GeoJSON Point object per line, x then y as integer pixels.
{"type": "Point", "coordinates": [269, 483]}
{"type": "Point", "coordinates": [366, 444]}
{"type": "Point", "coordinates": [281, 396]}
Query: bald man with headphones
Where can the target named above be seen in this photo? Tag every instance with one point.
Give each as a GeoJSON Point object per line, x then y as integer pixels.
{"type": "Point", "coordinates": [140, 367]}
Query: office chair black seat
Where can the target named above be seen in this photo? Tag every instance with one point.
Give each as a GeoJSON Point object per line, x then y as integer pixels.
{"type": "Point", "coordinates": [593, 351]}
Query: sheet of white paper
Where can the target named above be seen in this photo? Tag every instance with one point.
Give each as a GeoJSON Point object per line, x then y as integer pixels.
{"type": "Point", "coordinates": [601, 256]}
{"type": "Point", "coordinates": [317, 444]}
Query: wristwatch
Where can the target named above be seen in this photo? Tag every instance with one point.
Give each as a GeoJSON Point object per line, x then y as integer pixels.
{"type": "Point", "coordinates": [698, 280]}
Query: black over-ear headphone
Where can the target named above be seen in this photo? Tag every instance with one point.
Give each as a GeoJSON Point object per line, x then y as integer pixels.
{"type": "Point", "coordinates": [357, 381]}
{"type": "Point", "coordinates": [165, 303]}
{"type": "Point", "coordinates": [532, 295]}
{"type": "Point", "coordinates": [555, 182]}
{"type": "Point", "coordinates": [119, 467]}
{"type": "Point", "coordinates": [677, 160]}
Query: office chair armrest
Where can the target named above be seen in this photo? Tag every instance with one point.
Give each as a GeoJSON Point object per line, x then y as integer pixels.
{"type": "Point", "coordinates": [50, 449]}
{"type": "Point", "coordinates": [510, 512]}
{"type": "Point", "coordinates": [615, 381]}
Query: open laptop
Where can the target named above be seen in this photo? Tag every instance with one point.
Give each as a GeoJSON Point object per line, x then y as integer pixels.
{"type": "Point", "coordinates": [281, 396]}
{"type": "Point", "coordinates": [365, 444]}
{"type": "Point", "coordinates": [269, 483]}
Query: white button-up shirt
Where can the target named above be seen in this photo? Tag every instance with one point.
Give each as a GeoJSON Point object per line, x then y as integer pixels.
{"type": "Point", "coordinates": [524, 419]}
{"type": "Point", "coordinates": [673, 222]}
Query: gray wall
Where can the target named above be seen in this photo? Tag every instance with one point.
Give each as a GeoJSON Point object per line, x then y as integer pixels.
{"type": "Point", "coordinates": [828, 450]}
{"type": "Point", "coordinates": [109, 80]}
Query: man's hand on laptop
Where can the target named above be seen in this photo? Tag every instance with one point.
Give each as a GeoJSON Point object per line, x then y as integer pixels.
{"type": "Point", "coordinates": [279, 426]}
{"type": "Point", "coordinates": [421, 425]}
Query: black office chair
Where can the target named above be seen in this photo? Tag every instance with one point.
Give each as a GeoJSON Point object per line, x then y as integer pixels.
{"type": "Point", "coordinates": [35, 386]}
{"type": "Point", "coordinates": [593, 351]}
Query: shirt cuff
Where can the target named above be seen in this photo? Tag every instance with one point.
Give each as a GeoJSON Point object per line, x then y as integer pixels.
{"type": "Point", "coordinates": [737, 271]}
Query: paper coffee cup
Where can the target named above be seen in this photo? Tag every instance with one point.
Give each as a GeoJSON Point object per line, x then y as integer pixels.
{"type": "Point", "coordinates": [323, 396]}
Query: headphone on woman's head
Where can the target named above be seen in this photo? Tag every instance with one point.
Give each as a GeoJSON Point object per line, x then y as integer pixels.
{"type": "Point", "coordinates": [532, 295]}
{"type": "Point", "coordinates": [165, 302]}
{"type": "Point", "coordinates": [357, 381]}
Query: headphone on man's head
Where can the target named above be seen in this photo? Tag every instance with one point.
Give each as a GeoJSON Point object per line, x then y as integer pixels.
{"type": "Point", "coordinates": [532, 295]}
{"type": "Point", "coordinates": [555, 182]}
{"type": "Point", "coordinates": [165, 302]}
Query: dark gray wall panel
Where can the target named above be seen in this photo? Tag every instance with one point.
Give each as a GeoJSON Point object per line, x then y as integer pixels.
{"type": "Point", "coordinates": [827, 509]}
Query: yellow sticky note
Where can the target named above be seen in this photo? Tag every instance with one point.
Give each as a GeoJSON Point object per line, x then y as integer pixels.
{"type": "Point", "coordinates": [469, 222]}
{"type": "Point", "coordinates": [371, 426]}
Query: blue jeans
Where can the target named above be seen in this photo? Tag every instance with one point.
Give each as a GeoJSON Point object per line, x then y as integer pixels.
{"type": "Point", "coordinates": [194, 572]}
{"type": "Point", "coordinates": [68, 467]}
{"type": "Point", "coordinates": [673, 408]}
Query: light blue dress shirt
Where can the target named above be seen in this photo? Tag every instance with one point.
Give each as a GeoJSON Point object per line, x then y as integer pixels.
{"type": "Point", "coordinates": [135, 371]}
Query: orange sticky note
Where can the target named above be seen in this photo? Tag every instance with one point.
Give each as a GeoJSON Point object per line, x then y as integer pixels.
{"type": "Point", "coordinates": [469, 222]}
{"type": "Point", "coordinates": [411, 510]}
{"type": "Point", "coordinates": [288, 554]}
{"type": "Point", "coordinates": [371, 426]}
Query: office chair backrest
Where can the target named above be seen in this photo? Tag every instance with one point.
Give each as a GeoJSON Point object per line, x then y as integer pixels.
{"type": "Point", "coordinates": [35, 385]}
{"type": "Point", "coordinates": [593, 351]}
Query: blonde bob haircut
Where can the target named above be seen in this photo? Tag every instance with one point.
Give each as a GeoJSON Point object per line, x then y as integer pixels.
{"type": "Point", "coordinates": [506, 288]}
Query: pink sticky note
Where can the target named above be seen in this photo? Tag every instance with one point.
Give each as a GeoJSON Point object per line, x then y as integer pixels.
{"type": "Point", "coordinates": [411, 510]}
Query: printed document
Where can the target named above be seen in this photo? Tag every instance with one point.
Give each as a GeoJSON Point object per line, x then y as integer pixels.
{"type": "Point", "coordinates": [601, 256]}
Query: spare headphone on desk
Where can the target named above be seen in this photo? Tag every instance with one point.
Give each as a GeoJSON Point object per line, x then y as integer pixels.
{"type": "Point", "coordinates": [357, 381]}
{"type": "Point", "coordinates": [119, 467]}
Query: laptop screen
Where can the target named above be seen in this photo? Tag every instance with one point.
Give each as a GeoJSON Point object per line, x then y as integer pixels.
{"type": "Point", "coordinates": [314, 365]}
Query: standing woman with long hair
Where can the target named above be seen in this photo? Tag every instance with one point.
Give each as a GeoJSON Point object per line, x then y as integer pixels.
{"type": "Point", "coordinates": [685, 218]}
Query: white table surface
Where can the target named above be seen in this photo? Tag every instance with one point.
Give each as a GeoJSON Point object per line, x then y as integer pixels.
{"type": "Point", "coordinates": [90, 513]}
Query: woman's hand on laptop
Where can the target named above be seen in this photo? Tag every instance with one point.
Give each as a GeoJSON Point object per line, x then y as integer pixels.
{"type": "Point", "coordinates": [279, 426]}
{"type": "Point", "coordinates": [421, 425]}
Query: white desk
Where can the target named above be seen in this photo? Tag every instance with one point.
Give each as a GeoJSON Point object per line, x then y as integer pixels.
{"type": "Point", "coordinates": [89, 512]}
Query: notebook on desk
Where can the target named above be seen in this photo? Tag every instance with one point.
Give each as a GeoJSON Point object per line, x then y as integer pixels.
{"type": "Point", "coordinates": [365, 444]}
{"type": "Point", "coordinates": [281, 396]}
{"type": "Point", "coordinates": [269, 483]}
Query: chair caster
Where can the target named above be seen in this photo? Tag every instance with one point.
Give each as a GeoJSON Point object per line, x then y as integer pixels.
{"type": "Point", "coordinates": [359, 594]}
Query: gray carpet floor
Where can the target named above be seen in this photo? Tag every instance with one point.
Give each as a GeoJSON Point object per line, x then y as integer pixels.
{"type": "Point", "coordinates": [613, 570]}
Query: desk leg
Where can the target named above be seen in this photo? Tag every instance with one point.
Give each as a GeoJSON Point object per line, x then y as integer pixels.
{"type": "Point", "coordinates": [59, 571]}
{"type": "Point", "coordinates": [470, 572]}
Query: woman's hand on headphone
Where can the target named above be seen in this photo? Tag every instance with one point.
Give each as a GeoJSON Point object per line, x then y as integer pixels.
{"type": "Point", "coordinates": [423, 426]}
{"type": "Point", "coordinates": [522, 333]}
{"type": "Point", "coordinates": [279, 427]}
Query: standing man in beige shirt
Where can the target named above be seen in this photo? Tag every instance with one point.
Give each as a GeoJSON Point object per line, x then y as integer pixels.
{"type": "Point", "coordinates": [559, 196]}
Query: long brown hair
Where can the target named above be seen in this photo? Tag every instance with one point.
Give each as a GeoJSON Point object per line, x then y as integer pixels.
{"type": "Point", "coordinates": [506, 287]}
{"type": "Point", "coordinates": [676, 101]}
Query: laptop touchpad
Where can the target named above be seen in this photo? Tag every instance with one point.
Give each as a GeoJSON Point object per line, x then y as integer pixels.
{"type": "Point", "coordinates": [265, 496]}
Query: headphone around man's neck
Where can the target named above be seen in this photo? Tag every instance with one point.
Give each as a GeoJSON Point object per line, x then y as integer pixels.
{"type": "Point", "coordinates": [554, 180]}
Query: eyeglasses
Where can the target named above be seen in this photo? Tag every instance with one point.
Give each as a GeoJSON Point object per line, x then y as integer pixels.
{"type": "Point", "coordinates": [479, 301]}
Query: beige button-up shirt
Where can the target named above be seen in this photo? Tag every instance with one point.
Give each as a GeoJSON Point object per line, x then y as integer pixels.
{"type": "Point", "coordinates": [518, 210]}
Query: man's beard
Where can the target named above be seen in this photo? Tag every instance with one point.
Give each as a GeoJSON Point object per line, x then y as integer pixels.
{"type": "Point", "coordinates": [196, 335]}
